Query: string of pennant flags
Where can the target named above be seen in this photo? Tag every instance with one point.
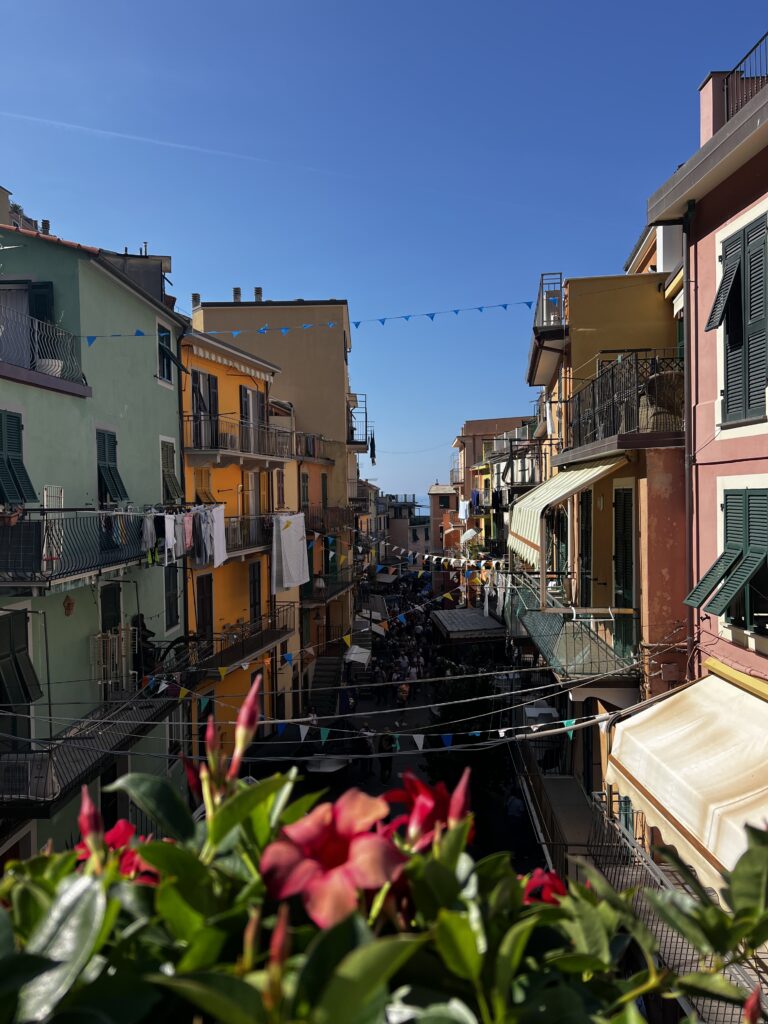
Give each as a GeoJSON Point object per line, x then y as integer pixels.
{"type": "Point", "coordinates": [283, 329]}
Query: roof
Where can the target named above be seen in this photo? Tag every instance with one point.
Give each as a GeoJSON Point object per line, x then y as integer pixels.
{"type": "Point", "coordinates": [54, 239]}
{"type": "Point", "coordinates": [280, 302]}
{"type": "Point", "coordinates": [441, 489]}
{"type": "Point", "coordinates": [645, 235]}
{"type": "Point", "coordinates": [467, 624]}
{"type": "Point", "coordinates": [240, 354]}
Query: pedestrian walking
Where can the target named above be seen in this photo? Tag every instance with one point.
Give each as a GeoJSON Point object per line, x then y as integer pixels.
{"type": "Point", "coordinates": [386, 747]}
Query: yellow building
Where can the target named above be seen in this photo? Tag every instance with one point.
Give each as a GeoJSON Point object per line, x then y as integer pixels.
{"type": "Point", "coordinates": [234, 457]}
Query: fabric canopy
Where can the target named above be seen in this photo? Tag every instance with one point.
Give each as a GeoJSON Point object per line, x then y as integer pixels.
{"type": "Point", "coordinates": [526, 514]}
{"type": "Point", "coordinates": [694, 764]}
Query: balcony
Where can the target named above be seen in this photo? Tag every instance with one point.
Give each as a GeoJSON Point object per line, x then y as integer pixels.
{"type": "Point", "coordinates": [550, 312]}
{"type": "Point", "coordinates": [324, 588]}
{"type": "Point", "coordinates": [636, 402]}
{"type": "Point", "coordinates": [617, 846]}
{"type": "Point", "coordinates": [35, 347]}
{"type": "Point", "coordinates": [328, 518]}
{"type": "Point", "coordinates": [33, 780]}
{"type": "Point", "coordinates": [224, 440]}
{"type": "Point", "coordinates": [47, 545]}
{"type": "Point", "coordinates": [312, 446]}
{"type": "Point", "coordinates": [247, 533]}
{"type": "Point", "coordinates": [202, 656]}
{"type": "Point", "coordinates": [358, 428]}
{"type": "Point", "coordinates": [747, 79]}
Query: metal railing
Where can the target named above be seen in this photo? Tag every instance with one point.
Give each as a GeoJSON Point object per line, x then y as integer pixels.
{"type": "Point", "coordinates": [36, 345]}
{"type": "Point", "coordinates": [633, 395]}
{"type": "Point", "coordinates": [358, 432]}
{"type": "Point", "coordinates": [203, 432]}
{"type": "Point", "coordinates": [312, 446]}
{"type": "Point", "coordinates": [747, 79]}
{"type": "Point", "coordinates": [243, 532]}
{"type": "Point", "coordinates": [47, 770]}
{"type": "Point", "coordinates": [550, 302]}
{"type": "Point", "coordinates": [324, 587]}
{"type": "Point", "coordinates": [616, 846]}
{"type": "Point", "coordinates": [52, 544]}
{"type": "Point", "coordinates": [328, 518]}
{"type": "Point", "coordinates": [456, 475]}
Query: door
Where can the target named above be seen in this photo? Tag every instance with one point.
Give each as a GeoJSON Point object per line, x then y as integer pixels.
{"type": "Point", "coordinates": [623, 568]}
{"type": "Point", "coordinates": [109, 600]}
{"type": "Point", "coordinates": [254, 589]}
{"type": "Point", "coordinates": [204, 608]}
{"type": "Point", "coordinates": [585, 549]}
{"type": "Point", "coordinates": [324, 489]}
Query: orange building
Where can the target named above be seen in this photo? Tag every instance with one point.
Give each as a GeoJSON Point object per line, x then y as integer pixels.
{"type": "Point", "coordinates": [232, 455]}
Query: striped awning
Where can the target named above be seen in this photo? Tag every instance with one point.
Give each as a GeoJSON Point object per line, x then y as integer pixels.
{"type": "Point", "coordinates": [524, 534]}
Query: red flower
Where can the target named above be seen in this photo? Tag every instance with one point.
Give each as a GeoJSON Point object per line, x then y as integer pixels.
{"type": "Point", "coordinates": [330, 854]}
{"type": "Point", "coordinates": [429, 806]}
{"type": "Point", "coordinates": [130, 863]}
{"type": "Point", "coordinates": [543, 887]}
{"type": "Point", "coordinates": [751, 1008]}
{"type": "Point", "coordinates": [192, 773]}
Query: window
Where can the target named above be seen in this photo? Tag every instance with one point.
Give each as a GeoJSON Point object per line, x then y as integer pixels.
{"type": "Point", "coordinates": [109, 602]}
{"type": "Point", "coordinates": [205, 410]}
{"type": "Point", "coordinates": [426, 534]}
{"type": "Point", "coordinates": [741, 568]}
{"type": "Point", "coordinates": [203, 492]}
{"type": "Point", "coordinates": [164, 354]}
{"type": "Point", "coordinates": [172, 491]}
{"type": "Point", "coordinates": [415, 536]}
{"type": "Point", "coordinates": [15, 484]}
{"type": "Point", "coordinates": [304, 489]}
{"type": "Point", "coordinates": [740, 305]}
{"type": "Point", "coordinates": [444, 501]}
{"type": "Point", "coordinates": [111, 486]}
{"type": "Point", "coordinates": [280, 485]}
{"type": "Point", "coordinates": [177, 727]}
{"type": "Point", "coordinates": [171, 596]}
{"type": "Point", "coordinates": [19, 684]}
{"type": "Point", "coordinates": [254, 589]}
{"type": "Point", "coordinates": [324, 489]}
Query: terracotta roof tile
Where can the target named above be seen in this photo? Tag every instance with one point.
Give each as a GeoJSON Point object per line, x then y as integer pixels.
{"type": "Point", "coordinates": [50, 238]}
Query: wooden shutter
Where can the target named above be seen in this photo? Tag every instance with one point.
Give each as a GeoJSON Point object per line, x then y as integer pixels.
{"type": "Point", "coordinates": [213, 395]}
{"type": "Point", "coordinates": [623, 547]}
{"type": "Point", "coordinates": [731, 262]}
{"type": "Point", "coordinates": [324, 489]}
{"type": "Point", "coordinates": [585, 548]}
{"type": "Point", "coordinates": [198, 402]}
{"type": "Point", "coordinates": [746, 521]}
{"type": "Point", "coordinates": [24, 666]}
{"type": "Point", "coordinates": [245, 405]}
{"type": "Point", "coordinates": [755, 317]}
{"type": "Point", "coordinates": [171, 487]}
{"type": "Point", "coordinates": [41, 301]}
{"type": "Point", "coordinates": [735, 536]}
{"type": "Point", "coordinates": [106, 458]}
{"type": "Point", "coordinates": [15, 483]}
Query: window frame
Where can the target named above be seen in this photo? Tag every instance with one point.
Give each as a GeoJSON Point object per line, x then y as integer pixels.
{"type": "Point", "coordinates": [107, 470]}
{"type": "Point", "coordinates": [170, 485]}
{"type": "Point", "coordinates": [165, 357]}
{"type": "Point", "coordinates": [173, 569]}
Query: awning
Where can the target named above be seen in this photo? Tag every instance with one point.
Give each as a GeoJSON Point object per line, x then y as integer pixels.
{"type": "Point", "coordinates": [383, 577]}
{"type": "Point", "coordinates": [524, 534]}
{"type": "Point", "coordinates": [694, 764]}
{"type": "Point", "coordinates": [618, 696]}
{"type": "Point", "coordinates": [468, 624]}
{"type": "Point", "coordinates": [358, 654]}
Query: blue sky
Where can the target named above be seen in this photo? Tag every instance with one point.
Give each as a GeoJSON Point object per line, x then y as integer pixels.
{"type": "Point", "coordinates": [408, 156]}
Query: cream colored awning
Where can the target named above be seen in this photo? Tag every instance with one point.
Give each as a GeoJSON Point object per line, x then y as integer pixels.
{"type": "Point", "coordinates": [527, 512]}
{"type": "Point", "coordinates": [695, 765]}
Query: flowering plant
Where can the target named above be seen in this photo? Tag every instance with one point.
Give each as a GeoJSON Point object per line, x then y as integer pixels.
{"type": "Point", "coordinates": [281, 909]}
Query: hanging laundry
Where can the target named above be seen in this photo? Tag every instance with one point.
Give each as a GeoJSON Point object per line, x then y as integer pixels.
{"type": "Point", "coordinates": [463, 510]}
{"type": "Point", "coordinates": [290, 566]}
{"type": "Point", "coordinates": [178, 535]}
{"type": "Point", "coordinates": [219, 536]}
{"type": "Point", "coordinates": [170, 537]}
{"type": "Point", "coordinates": [188, 528]}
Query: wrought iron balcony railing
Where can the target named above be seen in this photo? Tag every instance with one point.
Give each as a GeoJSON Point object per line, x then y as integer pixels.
{"type": "Point", "coordinates": [550, 303]}
{"type": "Point", "coordinates": [36, 345]}
{"type": "Point", "coordinates": [323, 588]}
{"type": "Point", "coordinates": [328, 518]}
{"type": "Point", "coordinates": [244, 532]}
{"type": "Point", "coordinates": [633, 395]}
{"type": "Point", "coordinates": [46, 544]}
{"type": "Point", "coordinates": [312, 446]}
{"type": "Point", "coordinates": [358, 428]}
{"type": "Point", "coordinates": [747, 79]}
{"type": "Point", "coordinates": [205, 433]}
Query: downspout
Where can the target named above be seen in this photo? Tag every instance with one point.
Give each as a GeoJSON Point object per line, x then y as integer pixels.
{"type": "Point", "coordinates": [689, 449]}
{"type": "Point", "coordinates": [184, 567]}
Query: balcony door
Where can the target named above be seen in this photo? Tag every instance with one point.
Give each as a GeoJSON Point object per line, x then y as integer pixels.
{"type": "Point", "coordinates": [254, 589]}
{"type": "Point", "coordinates": [623, 567]}
{"type": "Point", "coordinates": [585, 548]}
{"type": "Point", "coordinates": [204, 605]}
{"type": "Point", "coordinates": [109, 601]}
{"type": "Point", "coordinates": [205, 410]}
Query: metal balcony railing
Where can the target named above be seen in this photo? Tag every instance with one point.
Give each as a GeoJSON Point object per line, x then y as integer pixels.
{"type": "Point", "coordinates": [617, 848]}
{"type": "Point", "coordinates": [358, 428]}
{"type": "Point", "coordinates": [328, 518]}
{"type": "Point", "coordinates": [633, 395]}
{"type": "Point", "coordinates": [323, 588]}
{"type": "Point", "coordinates": [550, 303]}
{"type": "Point", "coordinates": [53, 544]}
{"type": "Point", "coordinates": [312, 446]}
{"type": "Point", "coordinates": [244, 532]}
{"type": "Point", "coordinates": [203, 433]}
{"type": "Point", "coordinates": [36, 345]}
{"type": "Point", "coordinates": [747, 79]}
{"type": "Point", "coordinates": [41, 772]}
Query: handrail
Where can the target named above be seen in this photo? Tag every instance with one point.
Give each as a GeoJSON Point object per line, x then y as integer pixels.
{"type": "Point", "coordinates": [36, 345]}
{"type": "Point", "coordinates": [205, 432]}
{"type": "Point", "coordinates": [746, 79]}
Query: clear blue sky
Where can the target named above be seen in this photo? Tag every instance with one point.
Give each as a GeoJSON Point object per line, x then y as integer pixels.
{"type": "Point", "coordinates": [409, 156]}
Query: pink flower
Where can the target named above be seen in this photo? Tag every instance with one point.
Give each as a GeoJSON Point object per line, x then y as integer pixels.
{"type": "Point", "coordinates": [89, 820]}
{"type": "Point", "coordinates": [247, 722]}
{"type": "Point", "coordinates": [130, 862]}
{"type": "Point", "coordinates": [543, 887]}
{"type": "Point", "coordinates": [751, 1009]}
{"type": "Point", "coordinates": [212, 745]}
{"type": "Point", "coordinates": [430, 807]}
{"type": "Point", "coordinates": [330, 854]}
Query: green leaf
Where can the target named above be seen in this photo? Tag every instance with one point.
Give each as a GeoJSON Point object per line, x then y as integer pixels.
{"type": "Point", "coordinates": [155, 795]}
{"type": "Point", "coordinates": [120, 998]}
{"type": "Point", "coordinates": [324, 954]}
{"type": "Point", "coordinates": [30, 904]}
{"type": "Point", "coordinates": [585, 928]}
{"type": "Point", "coordinates": [236, 808]}
{"type": "Point", "coordinates": [282, 797]}
{"type": "Point", "coordinates": [359, 978]}
{"type": "Point", "coordinates": [453, 844]}
{"type": "Point", "coordinates": [182, 919]}
{"type": "Point", "coordinates": [203, 951]}
{"type": "Point", "coordinates": [675, 909]}
{"type": "Point", "coordinates": [748, 882]}
{"type": "Point", "coordinates": [228, 1000]}
{"type": "Point", "coordinates": [715, 986]}
{"type": "Point", "coordinates": [452, 1012]}
{"type": "Point", "coordinates": [457, 945]}
{"type": "Point", "coordinates": [671, 856]}
{"type": "Point", "coordinates": [194, 880]}
{"type": "Point", "coordinates": [630, 1014]}
{"type": "Point", "coordinates": [19, 968]}
{"type": "Point", "coordinates": [300, 807]}
{"type": "Point", "coordinates": [7, 942]}
{"type": "Point", "coordinates": [68, 934]}
{"type": "Point", "coordinates": [511, 952]}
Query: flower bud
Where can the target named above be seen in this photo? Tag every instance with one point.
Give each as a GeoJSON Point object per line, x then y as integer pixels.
{"type": "Point", "coordinates": [89, 820]}
{"type": "Point", "coordinates": [212, 745]}
{"type": "Point", "coordinates": [247, 722]}
{"type": "Point", "coordinates": [192, 774]}
{"type": "Point", "coordinates": [280, 942]}
{"type": "Point", "coordinates": [458, 807]}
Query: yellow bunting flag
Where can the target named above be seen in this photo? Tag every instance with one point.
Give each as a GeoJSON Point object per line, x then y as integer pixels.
{"type": "Point", "coordinates": [421, 573]}
{"type": "Point", "coordinates": [222, 673]}
{"type": "Point", "coordinates": [348, 639]}
{"type": "Point", "coordinates": [183, 692]}
{"type": "Point", "coordinates": [448, 597]}
{"type": "Point", "coordinates": [342, 559]}
{"type": "Point", "coordinates": [286, 524]}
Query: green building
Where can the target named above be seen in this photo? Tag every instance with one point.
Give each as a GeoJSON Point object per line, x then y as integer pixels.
{"type": "Point", "coordinates": [89, 439]}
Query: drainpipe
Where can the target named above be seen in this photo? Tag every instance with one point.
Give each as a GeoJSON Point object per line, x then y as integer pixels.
{"type": "Point", "coordinates": [689, 443]}
{"type": "Point", "coordinates": [184, 561]}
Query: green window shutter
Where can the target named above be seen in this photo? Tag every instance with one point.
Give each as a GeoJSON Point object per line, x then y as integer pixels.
{"type": "Point", "coordinates": [24, 666]}
{"type": "Point", "coordinates": [101, 448]}
{"type": "Point", "coordinates": [747, 568]}
{"type": "Point", "coordinates": [714, 575]}
{"type": "Point", "coordinates": [14, 456]}
{"type": "Point", "coordinates": [746, 527]}
{"type": "Point", "coordinates": [40, 297]}
{"type": "Point", "coordinates": [730, 274]}
{"type": "Point", "coordinates": [171, 487]}
{"type": "Point", "coordinates": [624, 547]}
{"type": "Point", "coordinates": [755, 317]}
{"type": "Point", "coordinates": [734, 511]}
{"type": "Point", "coordinates": [106, 458]}
{"type": "Point", "coordinates": [757, 520]}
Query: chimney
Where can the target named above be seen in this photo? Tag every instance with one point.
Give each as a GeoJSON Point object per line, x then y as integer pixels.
{"type": "Point", "coordinates": [45, 227]}
{"type": "Point", "coordinates": [711, 105]}
{"type": "Point", "coordinates": [236, 294]}
{"type": "Point", "coordinates": [195, 299]}
{"type": "Point", "coordinates": [258, 294]}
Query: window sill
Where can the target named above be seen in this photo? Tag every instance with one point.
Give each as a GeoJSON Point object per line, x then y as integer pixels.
{"type": "Point", "coordinates": [728, 424]}
{"type": "Point", "coordinates": [43, 380]}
